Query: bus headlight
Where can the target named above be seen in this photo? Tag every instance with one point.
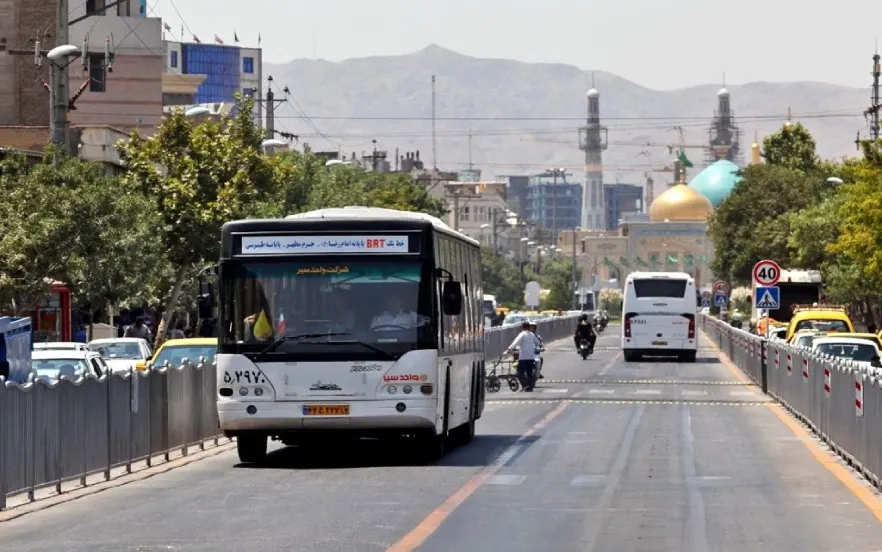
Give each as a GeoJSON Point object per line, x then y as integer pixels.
{"type": "Point", "coordinates": [243, 391]}
{"type": "Point", "coordinates": [407, 389]}
{"type": "Point", "coordinates": [258, 391]}
{"type": "Point", "coordinates": [392, 389]}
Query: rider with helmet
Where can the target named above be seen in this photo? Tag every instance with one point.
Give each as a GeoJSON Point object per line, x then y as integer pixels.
{"type": "Point", "coordinates": [585, 330]}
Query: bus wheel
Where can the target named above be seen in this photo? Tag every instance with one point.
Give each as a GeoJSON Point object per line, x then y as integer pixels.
{"type": "Point", "coordinates": [431, 447]}
{"type": "Point", "coordinates": [688, 356]}
{"type": "Point", "coordinates": [251, 448]}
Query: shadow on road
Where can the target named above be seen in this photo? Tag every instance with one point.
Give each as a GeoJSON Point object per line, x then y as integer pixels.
{"type": "Point", "coordinates": [371, 453]}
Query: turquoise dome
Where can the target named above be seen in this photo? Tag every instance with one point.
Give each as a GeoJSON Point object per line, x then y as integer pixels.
{"type": "Point", "coordinates": [717, 181]}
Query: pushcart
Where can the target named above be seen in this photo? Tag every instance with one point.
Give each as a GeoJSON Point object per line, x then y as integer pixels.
{"type": "Point", "coordinates": [503, 370]}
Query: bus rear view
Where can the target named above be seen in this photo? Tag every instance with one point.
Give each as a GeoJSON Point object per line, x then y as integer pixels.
{"type": "Point", "coordinates": [659, 316]}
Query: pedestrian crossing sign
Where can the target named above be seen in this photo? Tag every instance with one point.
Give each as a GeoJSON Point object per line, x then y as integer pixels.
{"type": "Point", "coordinates": [768, 297]}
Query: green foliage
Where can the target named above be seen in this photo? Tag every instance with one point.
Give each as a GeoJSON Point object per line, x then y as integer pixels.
{"type": "Point", "coordinates": [750, 224]}
{"type": "Point", "coordinates": [501, 278]}
{"type": "Point", "coordinates": [792, 147]}
{"type": "Point", "coordinates": [557, 278]}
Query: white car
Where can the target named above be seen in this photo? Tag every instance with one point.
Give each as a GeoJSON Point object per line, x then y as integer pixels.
{"type": "Point", "coordinates": [122, 353]}
{"type": "Point", "coordinates": [804, 338]}
{"type": "Point", "coordinates": [50, 365]}
{"type": "Point", "coordinates": [778, 334]}
{"type": "Point", "coordinates": [60, 346]}
{"type": "Point", "coordinates": [861, 351]}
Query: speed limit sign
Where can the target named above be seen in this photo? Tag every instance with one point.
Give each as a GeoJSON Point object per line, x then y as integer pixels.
{"type": "Point", "coordinates": [766, 273]}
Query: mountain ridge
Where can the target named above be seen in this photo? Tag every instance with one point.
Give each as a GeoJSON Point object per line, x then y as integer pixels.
{"type": "Point", "coordinates": [524, 116]}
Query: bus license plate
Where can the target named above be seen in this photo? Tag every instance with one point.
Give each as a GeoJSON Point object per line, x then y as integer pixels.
{"type": "Point", "coordinates": [326, 410]}
{"type": "Point", "coordinates": [659, 342]}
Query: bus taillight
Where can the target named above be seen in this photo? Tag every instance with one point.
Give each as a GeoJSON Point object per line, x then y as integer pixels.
{"type": "Point", "coordinates": [628, 324]}
{"type": "Point", "coordinates": [691, 319]}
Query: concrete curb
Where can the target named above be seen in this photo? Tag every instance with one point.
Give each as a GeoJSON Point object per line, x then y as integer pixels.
{"type": "Point", "coordinates": [140, 475]}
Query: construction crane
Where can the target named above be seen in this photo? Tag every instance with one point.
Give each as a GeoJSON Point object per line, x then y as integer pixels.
{"type": "Point", "coordinates": [670, 147]}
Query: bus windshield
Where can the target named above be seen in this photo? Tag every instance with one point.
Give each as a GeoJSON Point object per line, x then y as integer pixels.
{"type": "Point", "coordinates": [382, 304]}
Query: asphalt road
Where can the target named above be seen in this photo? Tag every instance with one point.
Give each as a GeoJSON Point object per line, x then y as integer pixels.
{"type": "Point", "coordinates": [652, 456]}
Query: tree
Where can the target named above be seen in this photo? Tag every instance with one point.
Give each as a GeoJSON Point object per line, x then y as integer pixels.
{"type": "Point", "coordinates": [501, 278]}
{"type": "Point", "coordinates": [557, 278]}
{"type": "Point", "coordinates": [198, 178]}
{"type": "Point", "coordinates": [118, 255]}
{"type": "Point", "coordinates": [42, 227]}
{"type": "Point", "coordinates": [748, 226]}
{"type": "Point", "coordinates": [792, 147]}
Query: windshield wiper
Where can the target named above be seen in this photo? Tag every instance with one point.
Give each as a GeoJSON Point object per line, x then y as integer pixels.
{"type": "Point", "coordinates": [275, 344]}
{"type": "Point", "coordinates": [373, 348]}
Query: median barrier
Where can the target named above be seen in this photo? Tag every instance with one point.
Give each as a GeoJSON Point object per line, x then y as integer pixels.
{"type": "Point", "coordinates": [68, 430]}
{"type": "Point", "coordinates": [839, 400]}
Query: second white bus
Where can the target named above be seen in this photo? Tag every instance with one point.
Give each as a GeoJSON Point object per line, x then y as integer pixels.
{"type": "Point", "coordinates": [659, 312]}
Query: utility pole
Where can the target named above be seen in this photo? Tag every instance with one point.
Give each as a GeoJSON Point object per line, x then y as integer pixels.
{"type": "Point", "coordinates": [434, 144]}
{"type": "Point", "coordinates": [456, 210]}
{"type": "Point", "coordinates": [270, 104]}
{"type": "Point", "coordinates": [471, 166]}
{"type": "Point", "coordinates": [575, 283]}
{"type": "Point", "coordinates": [873, 110]}
{"type": "Point", "coordinates": [58, 80]}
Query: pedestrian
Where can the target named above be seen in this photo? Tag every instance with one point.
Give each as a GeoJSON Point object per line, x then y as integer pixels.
{"type": "Point", "coordinates": [528, 343]}
{"type": "Point", "coordinates": [871, 328]}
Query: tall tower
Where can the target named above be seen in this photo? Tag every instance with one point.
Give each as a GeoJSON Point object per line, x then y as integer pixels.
{"type": "Point", "coordinates": [593, 140]}
{"type": "Point", "coordinates": [723, 134]}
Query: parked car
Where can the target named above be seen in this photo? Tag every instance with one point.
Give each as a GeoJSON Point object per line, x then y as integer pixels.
{"type": "Point", "coordinates": [122, 353]}
{"type": "Point", "coordinates": [50, 365]}
{"type": "Point", "coordinates": [60, 346]}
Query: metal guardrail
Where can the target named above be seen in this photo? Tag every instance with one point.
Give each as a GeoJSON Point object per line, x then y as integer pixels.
{"type": "Point", "coordinates": [53, 433]}
{"type": "Point", "coordinates": [498, 338]}
{"type": "Point", "coordinates": [837, 399]}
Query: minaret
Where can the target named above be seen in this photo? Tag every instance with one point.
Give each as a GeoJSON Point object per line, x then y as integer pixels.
{"type": "Point", "coordinates": [593, 140]}
{"type": "Point", "coordinates": [755, 158]}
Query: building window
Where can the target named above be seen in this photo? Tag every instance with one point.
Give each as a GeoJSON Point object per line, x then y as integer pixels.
{"type": "Point", "coordinates": [248, 65]}
{"type": "Point", "coordinates": [173, 59]}
{"type": "Point", "coordinates": [97, 81]}
{"type": "Point", "coordinates": [95, 7]}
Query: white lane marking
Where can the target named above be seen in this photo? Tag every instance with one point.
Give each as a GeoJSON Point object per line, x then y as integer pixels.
{"type": "Point", "coordinates": [648, 392]}
{"type": "Point", "coordinates": [601, 391]}
{"type": "Point", "coordinates": [554, 390]}
{"type": "Point", "coordinates": [587, 480]}
{"type": "Point", "coordinates": [506, 479]}
{"type": "Point", "coordinates": [741, 393]}
{"type": "Point", "coordinates": [693, 393]}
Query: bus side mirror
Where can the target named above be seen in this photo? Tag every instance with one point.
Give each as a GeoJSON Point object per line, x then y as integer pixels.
{"type": "Point", "coordinates": [451, 298]}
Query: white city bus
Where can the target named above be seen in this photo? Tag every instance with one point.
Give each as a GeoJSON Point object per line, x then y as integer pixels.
{"type": "Point", "coordinates": [358, 321]}
{"type": "Point", "coordinates": [659, 313]}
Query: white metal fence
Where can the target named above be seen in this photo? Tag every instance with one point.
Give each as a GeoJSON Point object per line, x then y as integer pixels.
{"type": "Point", "coordinates": [52, 433]}
{"type": "Point", "coordinates": [837, 399]}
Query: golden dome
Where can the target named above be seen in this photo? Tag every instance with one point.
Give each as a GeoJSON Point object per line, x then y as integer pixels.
{"type": "Point", "coordinates": [680, 203]}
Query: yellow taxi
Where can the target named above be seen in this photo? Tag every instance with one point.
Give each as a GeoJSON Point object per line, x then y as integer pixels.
{"type": "Point", "coordinates": [176, 350]}
{"type": "Point", "coordinates": [823, 318]}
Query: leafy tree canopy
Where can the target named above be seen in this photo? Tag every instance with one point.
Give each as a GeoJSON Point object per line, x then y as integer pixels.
{"type": "Point", "coordinates": [792, 147]}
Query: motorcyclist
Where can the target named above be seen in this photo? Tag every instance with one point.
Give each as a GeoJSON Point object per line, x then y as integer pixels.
{"type": "Point", "coordinates": [585, 330]}
{"type": "Point", "coordinates": [541, 343]}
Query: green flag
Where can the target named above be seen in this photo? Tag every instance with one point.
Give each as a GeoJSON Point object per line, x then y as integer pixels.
{"type": "Point", "coordinates": [607, 262]}
{"type": "Point", "coordinates": [624, 262]}
{"type": "Point", "coordinates": [689, 260]}
{"type": "Point", "coordinates": [702, 260]}
{"type": "Point", "coordinates": [641, 262]}
{"type": "Point", "coordinates": [672, 259]}
{"type": "Point", "coordinates": [653, 260]}
{"type": "Point", "coordinates": [686, 162]}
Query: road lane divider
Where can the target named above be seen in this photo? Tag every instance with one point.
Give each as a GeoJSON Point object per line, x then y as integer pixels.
{"type": "Point", "coordinates": [430, 524]}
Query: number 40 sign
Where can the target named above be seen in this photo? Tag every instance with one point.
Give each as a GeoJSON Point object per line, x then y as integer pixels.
{"type": "Point", "coordinates": [766, 273]}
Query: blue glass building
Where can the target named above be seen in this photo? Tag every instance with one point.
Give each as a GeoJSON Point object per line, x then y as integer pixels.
{"type": "Point", "coordinates": [220, 65]}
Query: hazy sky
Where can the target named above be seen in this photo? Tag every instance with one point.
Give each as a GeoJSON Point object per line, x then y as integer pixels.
{"type": "Point", "coordinates": [659, 44]}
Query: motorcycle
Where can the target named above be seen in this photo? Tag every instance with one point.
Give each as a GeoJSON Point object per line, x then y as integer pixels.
{"type": "Point", "coordinates": [599, 325]}
{"type": "Point", "coordinates": [584, 349]}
